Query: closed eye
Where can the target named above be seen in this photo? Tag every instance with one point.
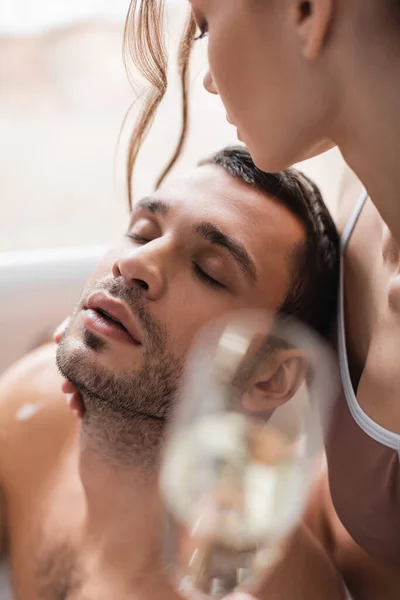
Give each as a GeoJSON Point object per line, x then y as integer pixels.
{"type": "Point", "coordinates": [137, 238]}
{"type": "Point", "coordinates": [201, 23]}
{"type": "Point", "coordinates": [203, 27]}
{"type": "Point", "coordinates": [207, 279]}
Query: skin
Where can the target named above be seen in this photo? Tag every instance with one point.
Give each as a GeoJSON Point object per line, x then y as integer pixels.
{"type": "Point", "coordinates": [366, 578]}
{"type": "Point", "coordinates": [290, 66]}
{"type": "Point", "coordinates": [372, 313]}
{"type": "Point", "coordinates": [177, 297]}
{"type": "Point", "coordinates": [295, 69]}
{"type": "Point", "coordinates": [70, 502]}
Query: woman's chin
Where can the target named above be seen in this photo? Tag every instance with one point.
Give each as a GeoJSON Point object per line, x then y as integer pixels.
{"type": "Point", "coordinates": [274, 160]}
{"type": "Point", "coordinates": [270, 163]}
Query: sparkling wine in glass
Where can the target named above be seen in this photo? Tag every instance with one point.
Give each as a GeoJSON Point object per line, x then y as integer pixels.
{"type": "Point", "coordinates": [243, 449]}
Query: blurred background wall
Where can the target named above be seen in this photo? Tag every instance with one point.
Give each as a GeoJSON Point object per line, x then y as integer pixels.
{"type": "Point", "coordinates": [63, 96]}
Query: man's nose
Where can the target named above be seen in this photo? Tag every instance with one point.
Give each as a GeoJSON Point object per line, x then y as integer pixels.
{"type": "Point", "coordinates": [208, 83]}
{"type": "Point", "coordinates": [141, 267]}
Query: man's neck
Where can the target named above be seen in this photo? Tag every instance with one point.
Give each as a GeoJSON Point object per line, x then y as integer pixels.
{"type": "Point", "coordinates": [123, 509]}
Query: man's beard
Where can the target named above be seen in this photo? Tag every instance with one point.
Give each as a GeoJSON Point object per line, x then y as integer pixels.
{"type": "Point", "coordinates": [116, 403]}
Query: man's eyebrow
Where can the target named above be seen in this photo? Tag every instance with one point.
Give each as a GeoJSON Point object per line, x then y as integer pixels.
{"type": "Point", "coordinates": [152, 204]}
{"type": "Point", "coordinates": [215, 236]}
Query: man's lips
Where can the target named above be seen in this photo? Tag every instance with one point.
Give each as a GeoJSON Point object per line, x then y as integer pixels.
{"type": "Point", "coordinates": [115, 312]}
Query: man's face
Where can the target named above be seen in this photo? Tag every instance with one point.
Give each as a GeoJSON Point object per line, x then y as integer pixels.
{"type": "Point", "coordinates": [198, 248]}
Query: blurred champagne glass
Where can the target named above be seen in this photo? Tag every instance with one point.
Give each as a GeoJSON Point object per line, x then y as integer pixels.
{"type": "Point", "coordinates": [243, 449]}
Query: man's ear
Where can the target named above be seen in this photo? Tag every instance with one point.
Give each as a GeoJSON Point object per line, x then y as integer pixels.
{"type": "Point", "coordinates": [276, 382]}
{"type": "Point", "coordinates": [312, 20]}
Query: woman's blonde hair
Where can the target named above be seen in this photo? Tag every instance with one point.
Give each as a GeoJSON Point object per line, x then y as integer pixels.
{"type": "Point", "coordinates": [144, 44]}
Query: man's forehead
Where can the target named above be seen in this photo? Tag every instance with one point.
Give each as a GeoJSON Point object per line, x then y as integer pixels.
{"type": "Point", "coordinates": [209, 188]}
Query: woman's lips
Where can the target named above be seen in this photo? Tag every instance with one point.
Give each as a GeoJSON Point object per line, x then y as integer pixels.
{"type": "Point", "coordinates": [237, 130]}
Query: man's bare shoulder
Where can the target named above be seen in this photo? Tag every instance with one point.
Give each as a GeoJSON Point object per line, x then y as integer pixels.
{"type": "Point", "coordinates": [34, 417]}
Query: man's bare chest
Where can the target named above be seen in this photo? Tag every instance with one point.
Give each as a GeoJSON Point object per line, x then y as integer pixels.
{"type": "Point", "coordinates": [53, 561]}
{"type": "Point", "coordinates": [45, 533]}
{"type": "Point", "coordinates": [53, 557]}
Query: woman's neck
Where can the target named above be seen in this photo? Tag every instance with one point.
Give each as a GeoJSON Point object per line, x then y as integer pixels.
{"type": "Point", "coordinates": [368, 131]}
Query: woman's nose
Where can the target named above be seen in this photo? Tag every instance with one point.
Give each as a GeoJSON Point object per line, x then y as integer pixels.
{"type": "Point", "coordinates": [139, 268]}
{"type": "Point", "coordinates": [208, 83]}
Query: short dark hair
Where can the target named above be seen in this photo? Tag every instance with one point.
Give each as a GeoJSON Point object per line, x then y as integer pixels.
{"type": "Point", "coordinates": [312, 297]}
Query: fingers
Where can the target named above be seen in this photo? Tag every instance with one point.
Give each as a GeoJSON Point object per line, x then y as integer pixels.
{"type": "Point", "coordinates": [72, 396]}
{"type": "Point", "coordinates": [68, 387]}
{"type": "Point", "coordinates": [60, 330]}
{"type": "Point", "coordinates": [75, 403]}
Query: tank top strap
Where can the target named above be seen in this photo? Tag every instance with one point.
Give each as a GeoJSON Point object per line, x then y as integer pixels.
{"type": "Point", "coordinates": [351, 223]}
{"type": "Point", "coordinates": [370, 427]}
